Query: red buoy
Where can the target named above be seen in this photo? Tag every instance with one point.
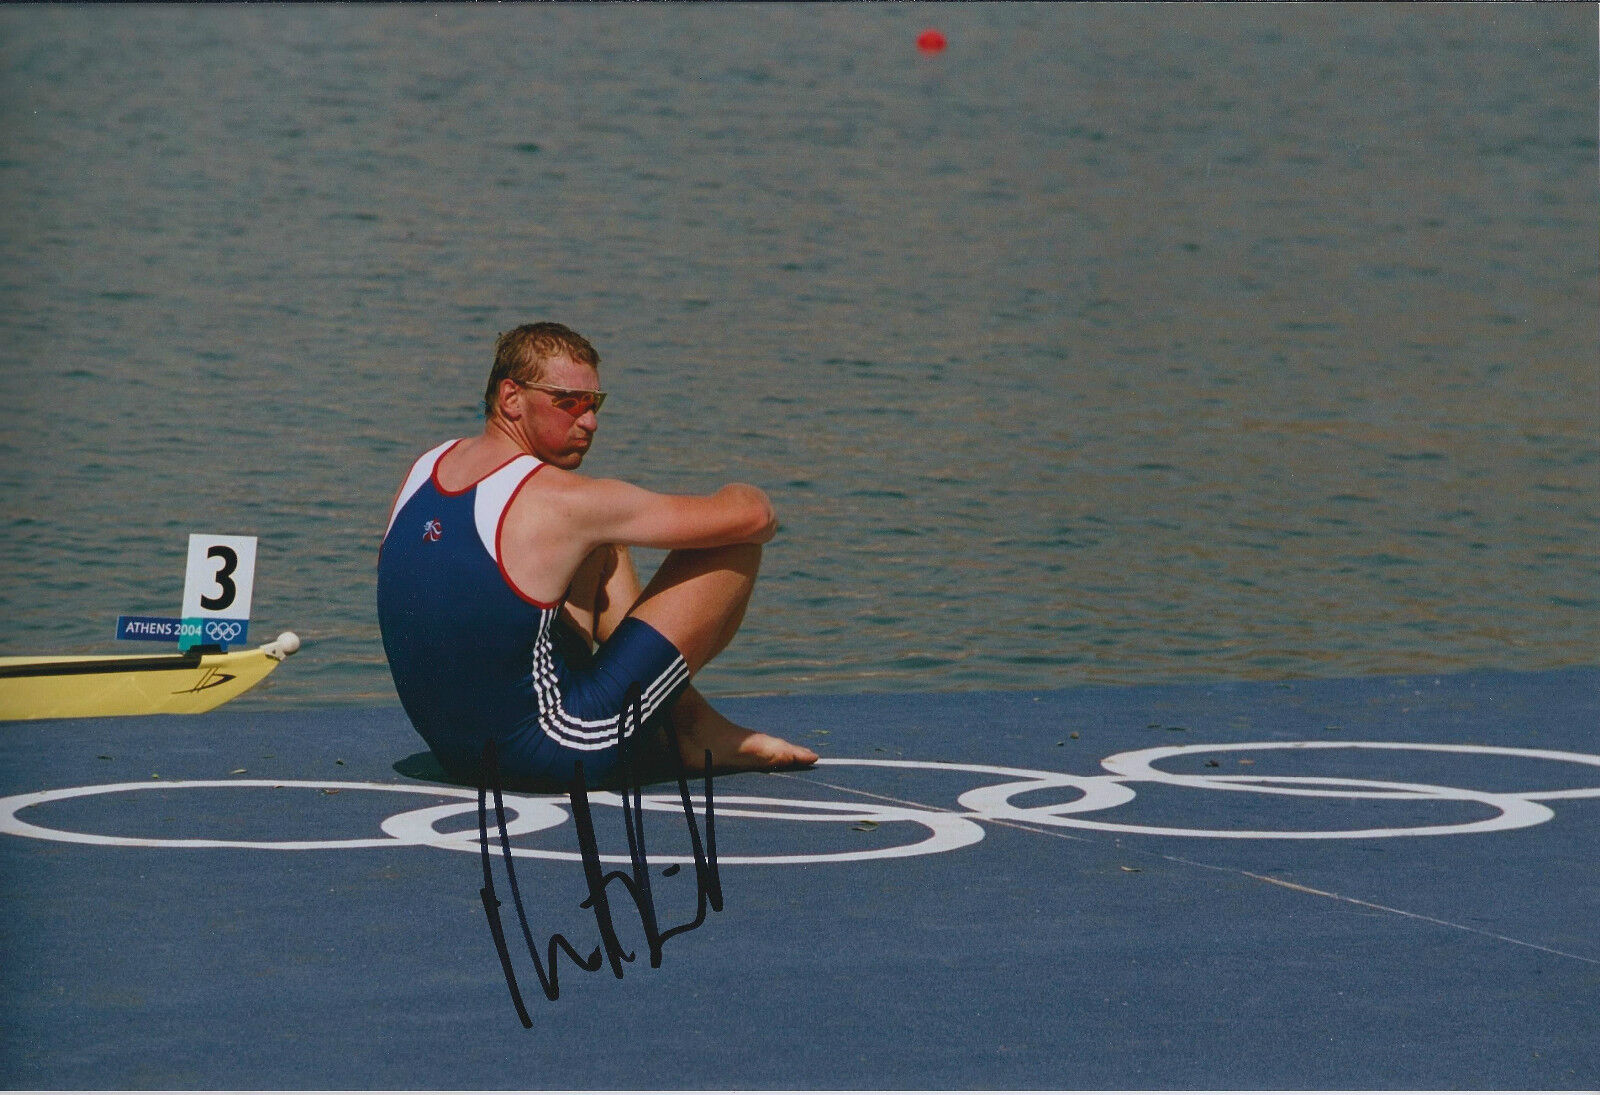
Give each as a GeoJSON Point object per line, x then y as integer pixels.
{"type": "Point", "coordinates": [930, 41]}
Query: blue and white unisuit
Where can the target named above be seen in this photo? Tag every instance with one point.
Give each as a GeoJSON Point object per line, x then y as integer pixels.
{"type": "Point", "coordinates": [474, 658]}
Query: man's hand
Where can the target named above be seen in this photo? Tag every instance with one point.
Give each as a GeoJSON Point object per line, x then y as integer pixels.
{"type": "Point", "coordinates": [765, 518]}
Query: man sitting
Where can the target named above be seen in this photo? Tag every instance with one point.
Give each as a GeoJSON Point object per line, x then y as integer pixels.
{"type": "Point", "coordinates": [511, 610]}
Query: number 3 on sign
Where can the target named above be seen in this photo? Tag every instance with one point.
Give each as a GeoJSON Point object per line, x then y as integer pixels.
{"type": "Point", "coordinates": [220, 576]}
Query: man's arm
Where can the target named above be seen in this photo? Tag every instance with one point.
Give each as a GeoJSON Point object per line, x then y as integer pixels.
{"type": "Point", "coordinates": [561, 518]}
{"type": "Point", "coordinates": [610, 511]}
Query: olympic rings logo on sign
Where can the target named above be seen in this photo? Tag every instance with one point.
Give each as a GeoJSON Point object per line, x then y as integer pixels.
{"type": "Point", "coordinates": [222, 631]}
{"type": "Point", "coordinates": [943, 829]}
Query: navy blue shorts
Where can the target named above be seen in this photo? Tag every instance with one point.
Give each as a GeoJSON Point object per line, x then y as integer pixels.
{"type": "Point", "coordinates": [583, 703]}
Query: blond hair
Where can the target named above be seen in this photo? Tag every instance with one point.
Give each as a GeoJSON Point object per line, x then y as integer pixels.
{"type": "Point", "coordinates": [520, 355]}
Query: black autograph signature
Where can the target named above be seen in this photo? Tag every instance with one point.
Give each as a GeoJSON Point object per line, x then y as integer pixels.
{"type": "Point", "coordinates": [635, 881]}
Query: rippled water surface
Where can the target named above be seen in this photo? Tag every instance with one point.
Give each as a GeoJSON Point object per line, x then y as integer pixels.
{"type": "Point", "coordinates": [1113, 343]}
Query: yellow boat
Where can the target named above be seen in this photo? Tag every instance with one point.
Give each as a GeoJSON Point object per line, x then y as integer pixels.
{"type": "Point", "coordinates": [134, 684]}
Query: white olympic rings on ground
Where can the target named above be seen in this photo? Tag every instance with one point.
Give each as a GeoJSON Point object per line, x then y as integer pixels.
{"type": "Point", "coordinates": [946, 829]}
{"type": "Point", "coordinates": [532, 815]}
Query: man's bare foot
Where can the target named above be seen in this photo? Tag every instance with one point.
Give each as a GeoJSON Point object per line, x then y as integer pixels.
{"type": "Point", "coordinates": [733, 747]}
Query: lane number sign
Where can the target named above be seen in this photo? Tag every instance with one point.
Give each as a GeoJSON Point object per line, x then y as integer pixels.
{"type": "Point", "coordinates": [217, 587]}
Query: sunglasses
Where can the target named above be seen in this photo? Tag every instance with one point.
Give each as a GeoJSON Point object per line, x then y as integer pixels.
{"type": "Point", "coordinates": [574, 401]}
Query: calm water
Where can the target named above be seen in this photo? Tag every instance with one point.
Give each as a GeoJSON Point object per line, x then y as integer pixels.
{"type": "Point", "coordinates": [1113, 344]}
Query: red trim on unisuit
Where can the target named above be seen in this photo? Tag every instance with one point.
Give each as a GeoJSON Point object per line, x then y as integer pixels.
{"type": "Point", "coordinates": [438, 486]}
{"type": "Point", "coordinates": [499, 556]}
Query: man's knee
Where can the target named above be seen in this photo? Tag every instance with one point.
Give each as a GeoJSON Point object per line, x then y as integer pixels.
{"type": "Point", "coordinates": [620, 558]}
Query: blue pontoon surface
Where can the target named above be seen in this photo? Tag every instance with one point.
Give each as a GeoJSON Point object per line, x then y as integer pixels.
{"type": "Point", "coordinates": [1375, 883]}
